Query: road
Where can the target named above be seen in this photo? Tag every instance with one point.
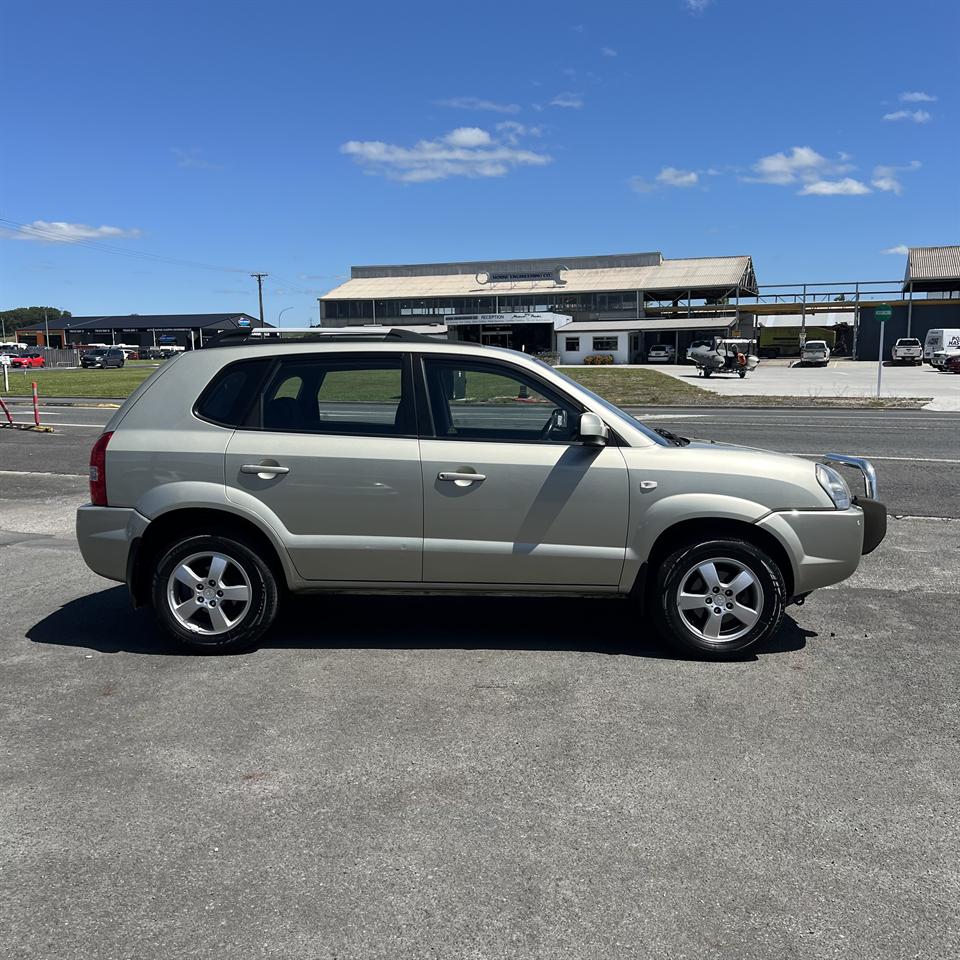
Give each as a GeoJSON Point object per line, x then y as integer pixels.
{"type": "Point", "coordinates": [438, 777]}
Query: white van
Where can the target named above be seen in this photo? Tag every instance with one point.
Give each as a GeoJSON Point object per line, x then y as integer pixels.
{"type": "Point", "coordinates": [940, 340]}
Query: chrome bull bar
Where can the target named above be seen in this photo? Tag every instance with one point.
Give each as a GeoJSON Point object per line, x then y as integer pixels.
{"type": "Point", "coordinates": [863, 465]}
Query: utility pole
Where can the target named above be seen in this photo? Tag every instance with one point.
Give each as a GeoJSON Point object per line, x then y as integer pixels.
{"type": "Point", "coordinates": [46, 330]}
{"type": "Point", "coordinates": [259, 278]}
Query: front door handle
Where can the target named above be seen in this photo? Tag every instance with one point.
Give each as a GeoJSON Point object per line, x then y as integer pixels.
{"type": "Point", "coordinates": [264, 469]}
{"type": "Point", "coordinates": [461, 477]}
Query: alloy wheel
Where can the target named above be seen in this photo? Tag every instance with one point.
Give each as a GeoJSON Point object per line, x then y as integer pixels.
{"type": "Point", "coordinates": [719, 600]}
{"type": "Point", "coordinates": [209, 593]}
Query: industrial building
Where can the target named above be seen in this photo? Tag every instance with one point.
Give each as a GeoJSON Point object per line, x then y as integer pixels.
{"type": "Point", "coordinates": [186, 330]}
{"type": "Point", "coordinates": [617, 304]}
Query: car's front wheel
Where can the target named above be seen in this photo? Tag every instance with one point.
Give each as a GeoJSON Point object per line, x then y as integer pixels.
{"type": "Point", "coordinates": [719, 597]}
{"type": "Point", "coordinates": [214, 594]}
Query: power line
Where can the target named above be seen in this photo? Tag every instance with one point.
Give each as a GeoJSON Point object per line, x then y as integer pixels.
{"type": "Point", "coordinates": [39, 233]}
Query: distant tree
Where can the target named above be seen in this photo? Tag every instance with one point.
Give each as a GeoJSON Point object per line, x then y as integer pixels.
{"type": "Point", "coordinates": [24, 316]}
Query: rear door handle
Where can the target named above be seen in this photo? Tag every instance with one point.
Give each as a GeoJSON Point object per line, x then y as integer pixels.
{"type": "Point", "coordinates": [460, 477]}
{"type": "Point", "coordinates": [272, 468]}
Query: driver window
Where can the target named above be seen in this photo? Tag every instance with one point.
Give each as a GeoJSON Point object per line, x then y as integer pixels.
{"type": "Point", "coordinates": [489, 402]}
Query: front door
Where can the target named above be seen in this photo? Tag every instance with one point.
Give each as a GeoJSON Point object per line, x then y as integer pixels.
{"type": "Point", "coordinates": [334, 457]}
{"type": "Point", "coordinates": [510, 496]}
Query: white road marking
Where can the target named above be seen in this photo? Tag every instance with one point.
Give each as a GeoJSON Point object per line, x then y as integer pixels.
{"type": "Point", "coordinates": [38, 473]}
{"type": "Point", "coordinates": [870, 456]}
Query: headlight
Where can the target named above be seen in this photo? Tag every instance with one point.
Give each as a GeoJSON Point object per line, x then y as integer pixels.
{"type": "Point", "coordinates": [835, 485]}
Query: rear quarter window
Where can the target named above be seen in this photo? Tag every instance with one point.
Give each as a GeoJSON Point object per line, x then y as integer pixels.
{"type": "Point", "coordinates": [230, 394]}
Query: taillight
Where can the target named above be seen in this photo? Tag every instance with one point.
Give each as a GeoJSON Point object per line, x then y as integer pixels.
{"type": "Point", "coordinates": [98, 470]}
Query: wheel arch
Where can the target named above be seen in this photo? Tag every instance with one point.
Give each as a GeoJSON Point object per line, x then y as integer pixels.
{"type": "Point", "coordinates": [172, 525]}
{"type": "Point", "coordinates": [711, 528]}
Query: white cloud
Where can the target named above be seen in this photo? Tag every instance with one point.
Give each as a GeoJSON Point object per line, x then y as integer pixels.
{"type": "Point", "coordinates": [885, 176]}
{"type": "Point", "coordinates": [917, 116]}
{"type": "Point", "coordinates": [672, 177]}
{"type": "Point", "coordinates": [511, 131]}
{"type": "Point", "coordinates": [464, 152]}
{"type": "Point", "coordinates": [476, 103]}
{"type": "Point", "coordinates": [916, 96]}
{"type": "Point", "coordinates": [608, 51]}
{"type": "Point", "coordinates": [697, 6]}
{"type": "Point", "coordinates": [59, 231]}
{"type": "Point", "coordinates": [573, 101]}
{"type": "Point", "coordinates": [801, 163]}
{"type": "Point", "coordinates": [667, 177]}
{"type": "Point", "coordinates": [847, 187]}
{"type": "Point", "coordinates": [468, 137]}
{"type": "Point", "coordinates": [901, 249]}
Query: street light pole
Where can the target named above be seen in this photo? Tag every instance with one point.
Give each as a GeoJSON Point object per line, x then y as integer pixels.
{"type": "Point", "coordinates": [281, 313]}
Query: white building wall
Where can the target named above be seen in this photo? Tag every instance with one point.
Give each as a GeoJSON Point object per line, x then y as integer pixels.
{"type": "Point", "coordinates": [620, 355]}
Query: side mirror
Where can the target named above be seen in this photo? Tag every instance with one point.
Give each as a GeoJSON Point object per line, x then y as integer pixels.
{"type": "Point", "coordinates": [593, 429]}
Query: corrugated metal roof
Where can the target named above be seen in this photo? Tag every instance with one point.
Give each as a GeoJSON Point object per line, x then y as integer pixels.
{"type": "Point", "coordinates": [932, 263]}
{"type": "Point", "coordinates": [138, 321]}
{"type": "Point", "coordinates": [673, 275]}
{"type": "Point", "coordinates": [634, 326]}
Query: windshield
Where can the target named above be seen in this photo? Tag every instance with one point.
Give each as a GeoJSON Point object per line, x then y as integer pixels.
{"type": "Point", "coordinates": [816, 344]}
{"type": "Point", "coordinates": [611, 408]}
{"type": "Point", "coordinates": [908, 342]}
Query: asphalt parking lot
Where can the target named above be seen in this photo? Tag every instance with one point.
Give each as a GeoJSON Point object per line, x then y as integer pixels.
{"type": "Point", "coordinates": [486, 778]}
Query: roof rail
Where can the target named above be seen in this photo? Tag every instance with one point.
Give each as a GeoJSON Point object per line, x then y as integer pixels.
{"type": "Point", "coordinates": [267, 335]}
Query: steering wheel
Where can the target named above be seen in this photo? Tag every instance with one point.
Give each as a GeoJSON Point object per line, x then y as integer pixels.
{"type": "Point", "coordinates": [550, 424]}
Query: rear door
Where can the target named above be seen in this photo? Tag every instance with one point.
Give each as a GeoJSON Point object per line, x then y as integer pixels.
{"type": "Point", "coordinates": [511, 496]}
{"type": "Point", "coordinates": [332, 453]}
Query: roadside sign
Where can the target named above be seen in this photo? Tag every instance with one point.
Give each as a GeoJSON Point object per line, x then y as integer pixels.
{"type": "Point", "coordinates": [883, 312]}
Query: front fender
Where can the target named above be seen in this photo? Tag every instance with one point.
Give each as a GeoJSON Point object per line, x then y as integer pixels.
{"type": "Point", "coordinates": [647, 523]}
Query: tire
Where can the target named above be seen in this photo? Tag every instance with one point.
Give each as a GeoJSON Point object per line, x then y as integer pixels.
{"type": "Point", "coordinates": [707, 371]}
{"type": "Point", "coordinates": [213, 623]}
{"type": "Point", "coordinates": [756, 609]}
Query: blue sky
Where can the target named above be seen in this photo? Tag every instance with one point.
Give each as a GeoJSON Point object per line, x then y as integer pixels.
{"type": "Point", "coordinates": [298, 139]}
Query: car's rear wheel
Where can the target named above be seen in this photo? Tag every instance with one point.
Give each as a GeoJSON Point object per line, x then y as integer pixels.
{"type": "Point", "coordinates": [719, 597]}
{"type": "Point", "coordinates": [214, 594]}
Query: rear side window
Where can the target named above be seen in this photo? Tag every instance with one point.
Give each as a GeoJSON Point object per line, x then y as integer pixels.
{"type": "Point", "coordinates": [232, 392]}
{"type": "Point", "coordinates": [371, 396]}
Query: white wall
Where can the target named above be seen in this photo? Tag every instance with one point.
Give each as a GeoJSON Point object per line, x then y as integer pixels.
{"type": "Point", "coordinates": [620, 355]}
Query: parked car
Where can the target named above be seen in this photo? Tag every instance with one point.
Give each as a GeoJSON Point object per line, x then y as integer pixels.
{"type": "Point", "coordinates": [661, 353]}
{"type": "Point", "coordinates": [32, 358]}
{"type": "Point", "coordinates": [907, 350]}
{"type": "Point", "coordinates": [815, 352]}
{"type": "Point", "coordinates": [952, 363]}
{"type": "Point", "coordinates": [129, 353]}
{"type": "Point", "coordinates": [112, 357]}
{"type": "Point", "coordinates": [940, 358]}
{"type": "Point", "coordinates": [237, 473]}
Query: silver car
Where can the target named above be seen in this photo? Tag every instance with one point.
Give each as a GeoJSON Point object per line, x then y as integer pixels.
{"type": "Point", "coordinates": [236, 474]}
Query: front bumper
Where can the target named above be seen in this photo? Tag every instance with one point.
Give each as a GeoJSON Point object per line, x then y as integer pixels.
{"type": "Point", "coordinates": [105, 535]}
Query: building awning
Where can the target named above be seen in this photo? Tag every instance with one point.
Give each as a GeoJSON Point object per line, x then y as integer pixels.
{"type": "Point", "coordinates": [652, 326]}
{"type": "Point", "coordinates": [933, 268]}
{"type": "Point", "coordinates": [556, 320]}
